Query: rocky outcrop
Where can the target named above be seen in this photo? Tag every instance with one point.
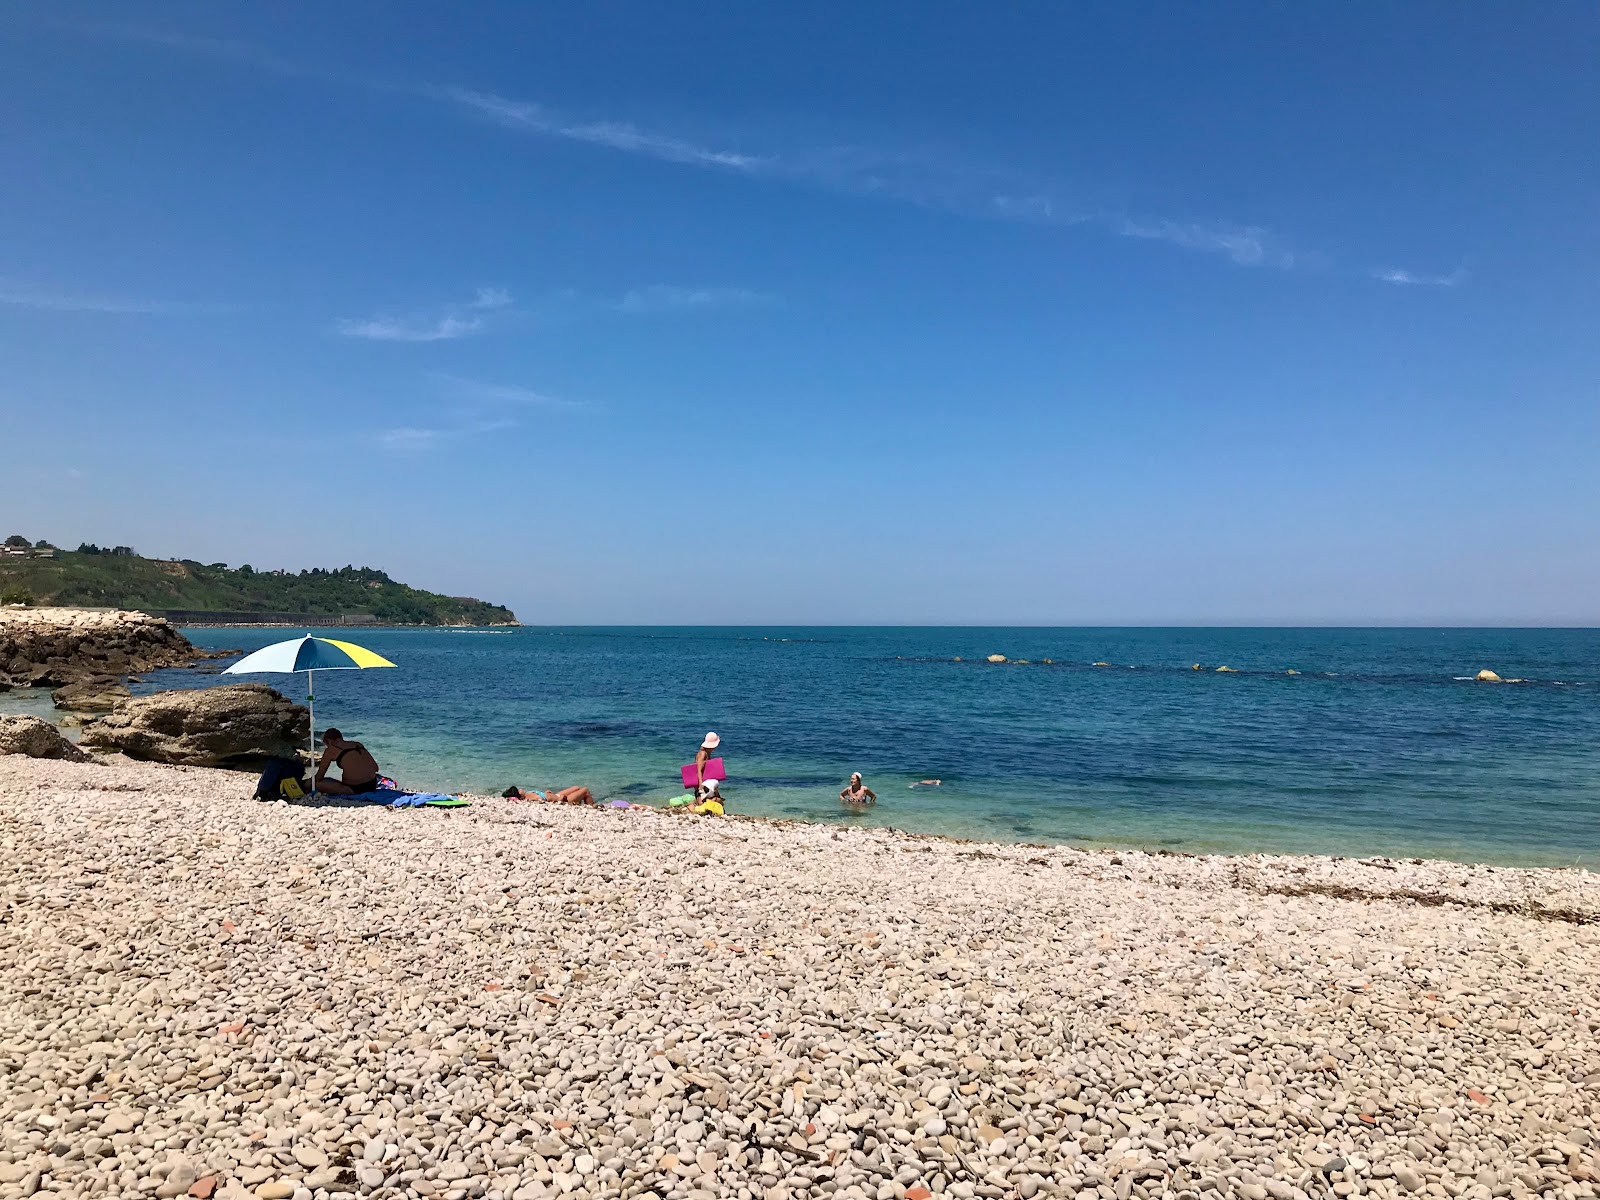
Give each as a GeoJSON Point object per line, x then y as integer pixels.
{"type": "Point", "coordinates": [1487, 676]}
{"type": "Point", "coordinates": [53, 647]}
{"type": "Point", "coordinates": [101, 693]}
{"type": "Point", "coordinates": [36, 739]}
{"type": "Point", "coordinates": [238, 726]}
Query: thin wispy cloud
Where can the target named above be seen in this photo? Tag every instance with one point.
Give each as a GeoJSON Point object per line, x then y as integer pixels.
{"type": "Point", "coordinates": [394, 329]}
{"type": "Point", "coordinates": [491, 298]}
{"type": "Point", "coordinates": [1249, 246]}
{"type": "Point", "coordinates": [617, 135]}
{"type": "Point", "coordinates": [458, 322]}
{"type": "Point", "coordinates": [925, 181]}
{"type": "Point", "coordinates": [468, 408]}
{"type": "Point", "coordinates": [942, 183]}
{"type": "Point", "coordinates": [411, 440]}
{"type": "Point", "coordinates": [407, 439]}
{"type": "Point", "coordinates": [19, 294]}
{"type": "Point", "coordinates": [1412, 279]}
{"type": "Point", "coordinates": [481, 392]}
{"type": "Point", "coordinates": [663, 297]}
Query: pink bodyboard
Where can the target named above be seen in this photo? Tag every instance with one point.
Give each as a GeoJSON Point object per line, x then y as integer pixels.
{"type": "Point", "coordinates": [712, 770]}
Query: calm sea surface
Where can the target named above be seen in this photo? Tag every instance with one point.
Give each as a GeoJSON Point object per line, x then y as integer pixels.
{"type": "Point", "coordinates": [1378, 746]}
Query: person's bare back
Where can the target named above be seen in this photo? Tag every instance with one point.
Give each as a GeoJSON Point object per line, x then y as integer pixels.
{"type": "Point", "coordinates": [358, 770]}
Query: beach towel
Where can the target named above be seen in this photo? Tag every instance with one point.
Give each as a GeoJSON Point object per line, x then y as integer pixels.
{"type": "Point", "coordinates": [398, 799]}
{"type": "Point", "coordinates": [693, 777]}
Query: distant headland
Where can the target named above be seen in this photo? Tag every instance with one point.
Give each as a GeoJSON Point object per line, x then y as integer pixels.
{"type": "Point", "coordinates": [190, 592]}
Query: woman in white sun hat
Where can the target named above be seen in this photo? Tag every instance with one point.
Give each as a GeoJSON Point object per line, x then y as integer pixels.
{"type": "Point", "coordinates": [707, 749]}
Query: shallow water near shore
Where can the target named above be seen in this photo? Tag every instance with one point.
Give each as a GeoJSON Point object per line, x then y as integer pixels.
{"type": "Point", "coordinates": [1382, 744]}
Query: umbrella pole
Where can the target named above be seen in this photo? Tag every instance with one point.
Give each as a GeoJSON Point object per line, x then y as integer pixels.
{"type": "Point", "coordinates": [311, 716]}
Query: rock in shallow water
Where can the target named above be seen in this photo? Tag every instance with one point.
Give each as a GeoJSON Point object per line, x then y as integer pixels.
{"type": "Point", "coordinates": [100, 694]}
{"type": "Point", "coordinates": [236, 726]}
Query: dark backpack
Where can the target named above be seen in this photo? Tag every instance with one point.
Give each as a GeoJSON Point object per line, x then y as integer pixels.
{"type": "Point", "coordinates": [270, 786]}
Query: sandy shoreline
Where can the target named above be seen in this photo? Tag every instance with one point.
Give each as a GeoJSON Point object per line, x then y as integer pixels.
{"type": "Point", "coordinates": [201, 991]}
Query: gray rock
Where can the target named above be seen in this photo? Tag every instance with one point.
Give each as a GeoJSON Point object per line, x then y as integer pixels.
{"type": "Point", "coordinates": [34, 738]}
{"type": "Point", "coordinates": [53, 647]}
{"type": "Point", "coordinates": [99, 694]}
{"type": "Point", "coordinates": [238, 726]}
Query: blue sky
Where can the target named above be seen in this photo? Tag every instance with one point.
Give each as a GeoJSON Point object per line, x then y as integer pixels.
{"type": "Point", "coordinates": [737, 313]}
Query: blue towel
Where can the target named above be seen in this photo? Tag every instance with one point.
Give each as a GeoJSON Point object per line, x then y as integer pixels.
{"type": "Point", "coordinates": [396, 799]}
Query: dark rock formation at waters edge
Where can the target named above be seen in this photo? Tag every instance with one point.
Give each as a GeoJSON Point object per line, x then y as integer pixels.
{"type": "Point", "coordinates": [86, 656]}
{"type": "Point", "coordinates": [58, 647]}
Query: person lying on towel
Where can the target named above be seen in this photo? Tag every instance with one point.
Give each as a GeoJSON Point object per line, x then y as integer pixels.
{"type": "Point", "coordinates": [358, 770]}
{"type": "Point", "coordinates": [566, 795]}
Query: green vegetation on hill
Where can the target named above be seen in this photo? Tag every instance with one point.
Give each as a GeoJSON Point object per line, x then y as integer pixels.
{"type": "Point", "coordinates": [91, 577]}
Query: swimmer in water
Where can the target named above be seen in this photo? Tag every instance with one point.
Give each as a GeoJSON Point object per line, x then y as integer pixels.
{"type": "Point", "coordinates": [856, 792]}
{"type": "Point", "coordinates": [926, 783]}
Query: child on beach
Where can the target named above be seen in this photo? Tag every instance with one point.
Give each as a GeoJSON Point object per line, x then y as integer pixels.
{"type": "Point", "coordinates": [710, 800]}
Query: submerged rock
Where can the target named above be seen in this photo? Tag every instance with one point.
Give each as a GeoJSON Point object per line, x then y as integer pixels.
{"type": "Point", "coordinates": [99, 694]}
{"type": "Point", "coordinates": [33, 738]}
{"type": "Point", "coordinates": [238, 726]}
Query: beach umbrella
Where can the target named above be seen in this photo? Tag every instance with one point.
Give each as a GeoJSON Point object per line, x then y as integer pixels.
{"type": "Point", "coordinates": [308, 654]}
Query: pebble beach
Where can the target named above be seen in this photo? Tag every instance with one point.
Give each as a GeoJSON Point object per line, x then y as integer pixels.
{"type": "Point", "coordinates": [205, 995]}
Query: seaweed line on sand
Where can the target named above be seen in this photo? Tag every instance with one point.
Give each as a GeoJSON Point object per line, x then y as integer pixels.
{"type": "Point", "coordinates": [1338, 891]}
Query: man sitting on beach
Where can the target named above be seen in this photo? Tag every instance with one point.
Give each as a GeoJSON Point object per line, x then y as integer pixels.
{"type": "Point", "coordinates": [358, 770]}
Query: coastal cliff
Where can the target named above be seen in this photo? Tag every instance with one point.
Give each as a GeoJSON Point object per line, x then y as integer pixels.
{"type": "Point", "coordinates": [214, 593]}
{"type": "Point", "coordinates": [53, 647]}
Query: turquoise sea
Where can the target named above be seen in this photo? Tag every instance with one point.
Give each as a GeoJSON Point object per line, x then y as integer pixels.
{"type": "Point", "coordinates": [1381, 745]}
